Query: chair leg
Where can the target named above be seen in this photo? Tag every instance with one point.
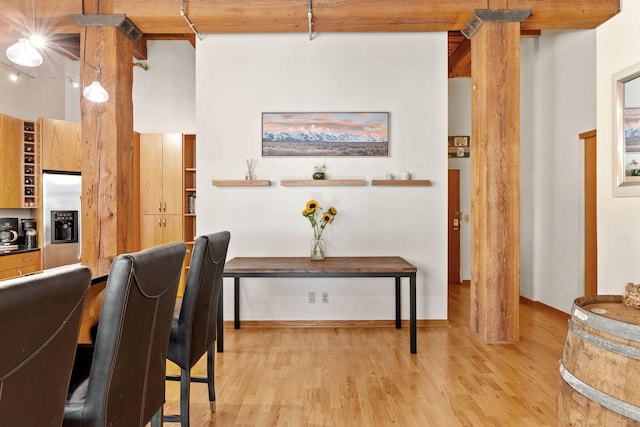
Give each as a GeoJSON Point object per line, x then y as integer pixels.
{"type": "Point", "coordinates": [210, 384]}
{"type": "Point", "coordinates": [156, 420]}
{"type": "Point", "coordinates": [185, 385]}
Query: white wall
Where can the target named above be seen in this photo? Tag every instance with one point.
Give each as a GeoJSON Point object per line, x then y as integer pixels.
{"type": "Point", "coordinates": [72, 94]}
{"type": "Point", "coordinates": [164, 95]}
{"type": "Point", "coordinates": [618, 225]}
{"type": "Point", "coordinates": [29, 99]}
{"type": "Point", "coordinates": [240, 76]}
{"type": "Point", "coordinates": [558, 103]}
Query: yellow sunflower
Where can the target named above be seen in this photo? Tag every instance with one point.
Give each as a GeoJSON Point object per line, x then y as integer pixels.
{"type": "Point", "coordinates": [312, 206]}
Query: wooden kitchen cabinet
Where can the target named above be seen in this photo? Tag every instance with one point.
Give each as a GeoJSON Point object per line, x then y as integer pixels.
{"type": "Point", "coordinates": [60, 142]}
{"type": "Point", "coordinates": [19, 264]}
{"type": "Point", "coordinates": [156, 230]}
{"type": "Point", "coordinates": [161, 189]}
{"type": "Point", "coordinates": [11, 174]}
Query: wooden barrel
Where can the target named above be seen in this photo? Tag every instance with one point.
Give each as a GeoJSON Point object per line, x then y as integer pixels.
{"type": "Point", "coordinates": [600, 367]}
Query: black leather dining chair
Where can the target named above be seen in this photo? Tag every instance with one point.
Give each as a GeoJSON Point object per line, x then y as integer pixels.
{"type": "Point", "coordinates": [120, 381]}
{"type": "Point", "coordinates": [40, 318]}
{"type": "Point", "coordinates": [193, 331]}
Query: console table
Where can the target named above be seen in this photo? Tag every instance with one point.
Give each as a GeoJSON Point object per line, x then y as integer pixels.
{"type": "Point", "coordinates": [374, 266]}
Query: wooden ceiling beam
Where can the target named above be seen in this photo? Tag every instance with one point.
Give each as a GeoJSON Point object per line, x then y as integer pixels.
{"type": "Point", "coordinates": [460, 60]}
{"type": "Point", "coordinates": [273, 16]}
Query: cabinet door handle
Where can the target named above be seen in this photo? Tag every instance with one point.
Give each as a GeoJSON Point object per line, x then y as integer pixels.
{"type": "Point", "coordinates": [164, 221]}
{"type": "Point", "coordinates": [27, 259]}
{"type": "Point", "coordinates": [20, 272]}
{"type": "Point", "coordinates": [159, 206]}
{"type": "Point", "coordinates": [159, 223]}
{"type": "Point", "coordinates": [164, 206]}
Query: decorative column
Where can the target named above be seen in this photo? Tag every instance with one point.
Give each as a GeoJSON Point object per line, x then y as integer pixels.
{"type": "Point", "coordinates": [495, 173]}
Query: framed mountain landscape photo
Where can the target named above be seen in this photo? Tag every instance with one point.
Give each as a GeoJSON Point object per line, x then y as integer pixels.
{"type": "Point", "coordinates": [325, 134]}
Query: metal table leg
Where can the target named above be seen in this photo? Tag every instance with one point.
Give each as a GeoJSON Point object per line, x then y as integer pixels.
{"type": "Point", "coordinates": [398, 305]}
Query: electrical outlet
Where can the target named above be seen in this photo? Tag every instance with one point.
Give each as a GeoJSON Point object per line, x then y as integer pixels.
{"type": "Point", "coordinates": [312, 297]}
{"type": "Point", "coordinates": [325, 297]}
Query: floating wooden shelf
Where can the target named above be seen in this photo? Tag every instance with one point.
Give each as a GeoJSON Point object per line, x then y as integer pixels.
{"type": "Point", "coordinates": [402, 182]}
{"type": "Point", "coordinates": [241, 183]}
{"type": "Point", "coordinates": [325, 182]}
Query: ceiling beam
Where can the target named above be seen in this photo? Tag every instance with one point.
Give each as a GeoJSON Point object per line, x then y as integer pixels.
{"type": "Point", "coordinates": [460, 60]}
{"type": "Point", "coordinates": [285, 16]}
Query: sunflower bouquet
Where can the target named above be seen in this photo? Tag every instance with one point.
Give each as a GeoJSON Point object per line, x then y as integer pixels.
{"type": "Point", "coordinates": [319, 220]}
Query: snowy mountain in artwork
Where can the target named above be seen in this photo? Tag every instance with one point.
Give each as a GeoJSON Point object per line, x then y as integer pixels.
{"type": "Point", "coordinates": [631, 133]}
{"type": "Point", "coordinates": [317, 135]}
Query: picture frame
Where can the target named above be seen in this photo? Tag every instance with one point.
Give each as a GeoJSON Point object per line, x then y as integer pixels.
{"type": "Point", "coordinates": [626, 132]}
{"type": "Point", "coordinates": [459, 146]}
{"type": "Point", "coordinates": [330, 134]}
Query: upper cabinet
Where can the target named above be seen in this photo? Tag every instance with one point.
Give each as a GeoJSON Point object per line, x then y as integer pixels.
{"type": "Point", "coordinates": [61, 148]}
{"type": "Point", "coordinates": [161, 173]}
{"type": "Point", "coordinates": [11, 153]}
{"type": "Point", "coordinates": [161, 188]}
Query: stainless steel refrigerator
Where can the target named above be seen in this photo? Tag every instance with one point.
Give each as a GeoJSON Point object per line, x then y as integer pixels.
{"type": "Point", "coordinates": [61, 203]}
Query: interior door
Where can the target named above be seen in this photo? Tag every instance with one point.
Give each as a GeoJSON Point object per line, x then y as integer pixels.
{"type": "Point", "coordinates": [454, 226]}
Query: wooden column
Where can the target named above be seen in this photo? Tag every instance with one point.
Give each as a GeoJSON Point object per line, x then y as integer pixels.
{"type": "Point", "coordinates": [107, 149]}
{"type": "Point", "coordinates": [495, 168]}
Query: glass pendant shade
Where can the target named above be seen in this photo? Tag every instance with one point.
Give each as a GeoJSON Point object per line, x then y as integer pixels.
{"type": "Point", "coordinates": [23, 53]}
{"type": "Point", "coordinates": [95, 92]}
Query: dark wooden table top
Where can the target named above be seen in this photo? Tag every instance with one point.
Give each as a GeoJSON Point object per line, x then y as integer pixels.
{"type": "Point", "coordinates": [366, 264]}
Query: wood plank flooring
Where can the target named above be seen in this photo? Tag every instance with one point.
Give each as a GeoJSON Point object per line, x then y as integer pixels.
{"type": "Point", "coordinates": [367, 377]}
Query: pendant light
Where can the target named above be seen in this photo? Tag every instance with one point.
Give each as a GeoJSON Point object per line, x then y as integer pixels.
{"type": "Point", "coordinates": [95, 92]}
{"type": "Point", "coordinates": [23, 53]}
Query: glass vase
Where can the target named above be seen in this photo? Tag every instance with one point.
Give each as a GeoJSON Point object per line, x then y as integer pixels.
{"type": "Point", "coordinates": [317, 249]}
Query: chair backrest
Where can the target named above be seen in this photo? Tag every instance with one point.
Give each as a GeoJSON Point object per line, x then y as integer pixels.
{"type": "Point", "coordinates": [196, 330]}
{"type": "Point", "coordinates": [40, 318]}
{"type": "Point", "coordinates": [127, 379]}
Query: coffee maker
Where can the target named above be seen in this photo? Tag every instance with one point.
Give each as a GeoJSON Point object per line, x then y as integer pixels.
{"type": "Point", "coordinates": [29, 227]}
{"type": "Point", "coordinates": [8, 233]}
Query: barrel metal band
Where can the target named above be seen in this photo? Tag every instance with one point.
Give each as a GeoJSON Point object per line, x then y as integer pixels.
{"type": "Point", "coordinates": [605, 324]}
{"type": "Point", "coordinates": [616, 405]}
{"type": "Point", "coordinates": [622, 349]}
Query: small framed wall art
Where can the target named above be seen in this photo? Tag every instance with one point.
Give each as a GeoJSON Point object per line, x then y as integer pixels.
{"type": "Point", "coordinates": [325, 134]}
{"type": "Point", "coordinates": [459, 146]}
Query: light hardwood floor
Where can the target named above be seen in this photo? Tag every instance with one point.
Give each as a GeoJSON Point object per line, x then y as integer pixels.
{"type": "Point", "coordinates": [367, 377]}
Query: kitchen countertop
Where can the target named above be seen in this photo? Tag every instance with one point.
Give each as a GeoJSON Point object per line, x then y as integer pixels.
{"type": "Point", "coordinates": [17, 251]}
